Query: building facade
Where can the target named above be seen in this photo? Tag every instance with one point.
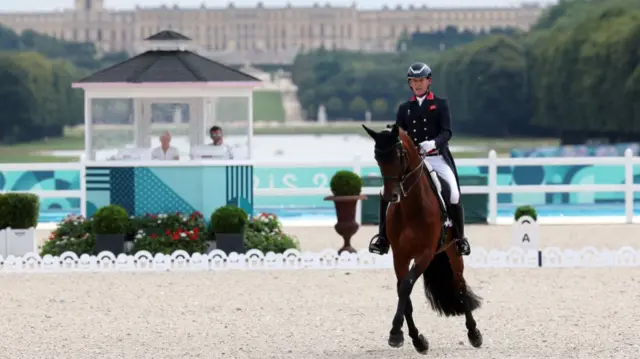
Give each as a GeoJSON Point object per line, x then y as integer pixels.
{"type": "Point", "coordinates": [263, 30]}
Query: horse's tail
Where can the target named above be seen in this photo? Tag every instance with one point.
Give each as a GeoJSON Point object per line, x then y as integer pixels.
{"type": "Point", "coordinates": [443, 292]}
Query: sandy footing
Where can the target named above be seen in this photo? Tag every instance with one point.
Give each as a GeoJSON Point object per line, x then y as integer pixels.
{"type": "Point", "coordinates": [610, 236]}
{"type": "Point", "coordinates": [527, 313]}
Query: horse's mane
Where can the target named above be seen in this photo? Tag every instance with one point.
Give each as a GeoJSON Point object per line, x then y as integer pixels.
{"type": "Point", "coordinates": [408, 144]}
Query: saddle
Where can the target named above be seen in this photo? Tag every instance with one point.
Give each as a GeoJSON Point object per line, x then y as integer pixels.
{"type": "Point", "coordinates": [443, 191]}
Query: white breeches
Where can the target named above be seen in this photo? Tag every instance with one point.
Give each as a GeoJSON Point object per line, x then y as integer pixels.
{"type": "Point", "coordinates": [440, 166]}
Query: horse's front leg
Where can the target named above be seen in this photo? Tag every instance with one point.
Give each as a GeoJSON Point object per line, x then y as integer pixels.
{"type": "Point", "coordinates": [401, 267]}
{"type": "Point", "coordinates": [406, 280]}
{"type": "Point", "coordinates": [419, 341]}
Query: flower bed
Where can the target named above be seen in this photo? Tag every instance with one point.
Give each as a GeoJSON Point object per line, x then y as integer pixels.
{"type": "Point", "coordinates": [166, 233]}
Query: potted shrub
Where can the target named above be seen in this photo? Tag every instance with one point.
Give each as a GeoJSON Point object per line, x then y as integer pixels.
{"type": "Point", "coordinates": [229, 224]}
{"type": "Point", "coordinates": [525, 211]}
{"type": "Point", "coordinates": [18, 219]}
{"type": "Point", "coordinates": [110, 224]}
{"type": "Point", "coordinates": [346, 187]}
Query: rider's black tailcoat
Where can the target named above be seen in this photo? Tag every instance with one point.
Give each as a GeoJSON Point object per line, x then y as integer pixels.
{"type": "Point", "coordinates": [429, 121]}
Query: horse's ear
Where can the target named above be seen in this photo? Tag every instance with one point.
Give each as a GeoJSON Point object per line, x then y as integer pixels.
{"type": "Point", "coordinates": [395, 130]}
{"type": "Point", "coordinates": [371, 132]}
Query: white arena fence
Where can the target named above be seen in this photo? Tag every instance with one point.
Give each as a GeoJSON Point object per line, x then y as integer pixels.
{"type": "Point", "coordinates": [292, 259]}
{"type": "Point", "coordinates": [492, 188]}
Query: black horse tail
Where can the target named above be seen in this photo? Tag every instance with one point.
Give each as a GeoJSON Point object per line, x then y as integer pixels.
{"type": "Point", "coordinates": [442, 290]}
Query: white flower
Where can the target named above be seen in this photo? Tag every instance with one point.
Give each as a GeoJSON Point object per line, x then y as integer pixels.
{"type": "Point", "coordinates": [183, 234]}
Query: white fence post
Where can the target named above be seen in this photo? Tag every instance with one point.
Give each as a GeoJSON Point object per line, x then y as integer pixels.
{"type": "Point", "coordinates": [628, 185]}
{"type": "Point", "coordinates": [357, 168]}
{"type": "Point", "coordinates": [83, 187]}
{"type": "Point", "coordinates": [492, 182]}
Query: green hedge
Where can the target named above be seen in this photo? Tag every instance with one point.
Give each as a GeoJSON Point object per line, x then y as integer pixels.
{"type": "Point", "coordinates": [19, 210]}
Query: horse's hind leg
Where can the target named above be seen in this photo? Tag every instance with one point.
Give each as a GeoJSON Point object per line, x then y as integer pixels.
{"type": "Point", "coordinates": [470, 300]}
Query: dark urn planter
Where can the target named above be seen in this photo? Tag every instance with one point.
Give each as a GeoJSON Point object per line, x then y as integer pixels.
{"type": "Point", "coordinates": [230, 242]}
{"type": "Point", "coordinates": [113, 243]}
{"type": "Point", "coordinates": [346, 215]}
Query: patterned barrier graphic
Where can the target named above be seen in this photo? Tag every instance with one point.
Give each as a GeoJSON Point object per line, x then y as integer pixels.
{"type": "Point", "coordinates": [295, 260]}
{"type": "Point", "coordinates": [52, 180]}
{"type": "Point", "coordinates": [142, 190]}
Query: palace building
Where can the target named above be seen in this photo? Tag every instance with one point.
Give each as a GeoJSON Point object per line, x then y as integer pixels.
{"type": "Point", "coordinates": [262, 30]}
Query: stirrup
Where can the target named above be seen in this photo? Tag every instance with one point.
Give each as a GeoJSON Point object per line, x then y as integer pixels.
{"type": "Point", "coordinates": [377, 248]}
{"type": "Point", "coordinates": [463, 249]}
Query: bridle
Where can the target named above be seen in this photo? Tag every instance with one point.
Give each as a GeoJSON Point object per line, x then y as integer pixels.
{"type": "Point", "coordinates": [402, 152]}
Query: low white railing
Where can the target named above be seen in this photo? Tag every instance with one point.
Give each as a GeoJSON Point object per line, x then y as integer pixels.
{"type": "Point", "coordinates": [492, 189]}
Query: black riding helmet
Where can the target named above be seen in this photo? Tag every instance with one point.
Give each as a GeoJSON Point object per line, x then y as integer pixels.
{"type": "Point", "coordinates": [419, 70]}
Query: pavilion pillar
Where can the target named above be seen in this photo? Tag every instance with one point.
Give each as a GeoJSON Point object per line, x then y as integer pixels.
{"type": "Point", "coordinates": [250, 127]}
{"type": "Point", "coordinates": [144, 125]}
{"type": "Point", "coordinates": [138, 122]}
{"type": "Point", "coordinates": [89, 153]}
{"type": "Point", "coordinates": [195, 119]}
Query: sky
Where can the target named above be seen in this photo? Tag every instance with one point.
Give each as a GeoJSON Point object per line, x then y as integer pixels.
{"type": "Point", "coordinates": [49, 5]}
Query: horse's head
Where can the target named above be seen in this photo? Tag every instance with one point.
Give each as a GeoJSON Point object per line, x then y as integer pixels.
{"type": "Point", "coordinates": [398, 159]}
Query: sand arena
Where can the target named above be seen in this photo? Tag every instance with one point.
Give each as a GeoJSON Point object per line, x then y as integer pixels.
{"type": "Point", "coordinates": [341, 314]}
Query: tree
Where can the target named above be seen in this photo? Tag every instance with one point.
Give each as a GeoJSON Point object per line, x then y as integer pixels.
{"type": "Point", "coordinates": [584, 72]}
{"type": "Point", "coordinates": [334, 106]}
{"type": "Point", "coordinates": [358, 107]}
{"type": "Point", "coordinates": [36, 99]}
{"type": "Point", "coordinates": [380, 107]}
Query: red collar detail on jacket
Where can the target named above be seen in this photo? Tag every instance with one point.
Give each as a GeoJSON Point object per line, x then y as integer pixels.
{"type": "Point", "coordinates": [429, 97]}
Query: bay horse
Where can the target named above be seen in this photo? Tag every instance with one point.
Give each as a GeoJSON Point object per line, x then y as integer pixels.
{"type": "Point", "coordinates": [416, 231]}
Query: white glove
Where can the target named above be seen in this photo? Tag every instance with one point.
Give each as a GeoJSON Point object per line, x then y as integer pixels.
{"type": "Point", "coordinates": [427, 146]}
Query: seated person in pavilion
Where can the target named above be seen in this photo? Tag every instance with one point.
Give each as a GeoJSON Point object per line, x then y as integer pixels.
{"type": "Point", "coordinates": [165, 151]}
{"type": "Point", "coordinates": [216, 136]}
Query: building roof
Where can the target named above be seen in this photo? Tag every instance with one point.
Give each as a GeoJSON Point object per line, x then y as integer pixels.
{"type": "Point", "coordinates": [171, 65]}
{"type": "Point", "coordinates": [166, 35]}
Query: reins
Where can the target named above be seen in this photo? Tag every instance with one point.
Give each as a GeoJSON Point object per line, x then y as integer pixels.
{"type": "Point", "coordinates": [405, 175]}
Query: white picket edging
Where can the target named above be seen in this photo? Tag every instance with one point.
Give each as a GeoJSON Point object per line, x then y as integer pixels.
{"type": "Point", "coordinates": [216, 260]}
{"type": "Point", "coordinates": [357, 164]}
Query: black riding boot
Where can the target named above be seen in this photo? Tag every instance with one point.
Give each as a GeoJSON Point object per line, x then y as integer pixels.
{"type": "Point", "coordinates": [462, 244]}
{"type": "Point", "coordinates": [379, 243]}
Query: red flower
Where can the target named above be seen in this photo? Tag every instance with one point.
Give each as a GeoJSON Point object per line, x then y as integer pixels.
{"type": "Point", "coordinates": [196, 230]}
{"type": "Point", "coordinates": [154, 236]}
{"type": "Point", "coordinates": [168, 232]}
{"type": "Point", "coordinates": [177, 213]}
{"type": "Point", "coordinates": [175, 236]}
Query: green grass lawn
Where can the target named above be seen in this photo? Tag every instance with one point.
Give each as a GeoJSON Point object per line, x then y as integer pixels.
{"type": "Point", "coordinates": [267, 106]}
{"type": "Point", "coordinates": [36, 151]}
{"type": "Point", "coordinates": [74, 140]}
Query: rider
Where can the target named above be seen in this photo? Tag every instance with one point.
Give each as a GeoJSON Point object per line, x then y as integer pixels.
{"type": "Point", "coordinates": [427, 121]}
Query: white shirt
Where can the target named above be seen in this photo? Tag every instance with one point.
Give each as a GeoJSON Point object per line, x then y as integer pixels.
{"type": "Point", "coordinates": [159, 154]}
{"type": "Point", "coordinates": [227, 149]}
{"type": "Point", "coordinates": [421, 99]}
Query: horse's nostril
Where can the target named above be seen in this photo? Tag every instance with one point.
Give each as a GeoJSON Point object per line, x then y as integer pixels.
{"type": "Point", "coordinates": [394, 197]}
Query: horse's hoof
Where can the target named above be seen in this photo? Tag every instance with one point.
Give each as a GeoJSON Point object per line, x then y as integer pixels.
{"type": "Point", "coordinates": [421, 344]}
{"type": "Point", "coordinates": [396, 340]}
{"type": "Point", "coordinates": [475, 338]}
